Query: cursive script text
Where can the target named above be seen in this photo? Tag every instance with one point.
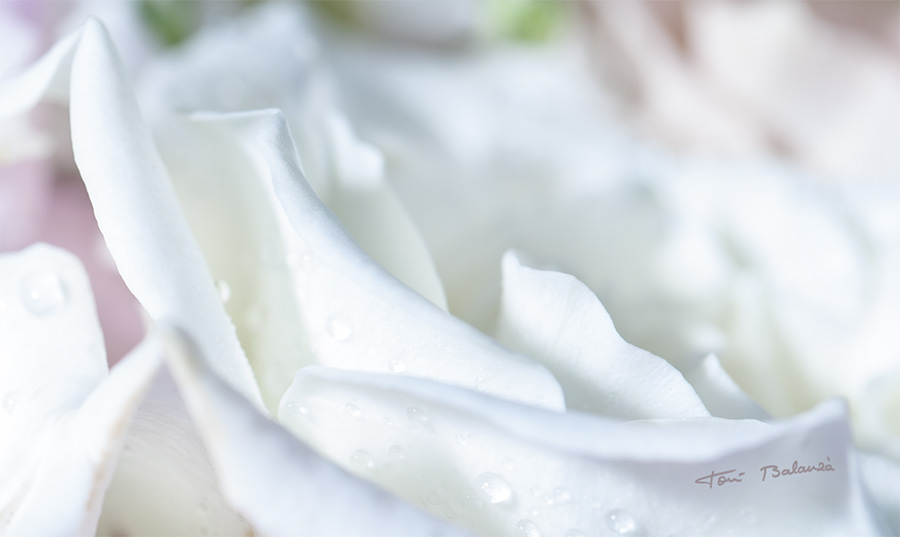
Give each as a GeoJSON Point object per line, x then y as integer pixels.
{"type": "Point", "coordinates": [771, 471]}
{"type": "Point", "coordinates": [795, 469]}
{"type": "Point", "coordinates": [720, 478]}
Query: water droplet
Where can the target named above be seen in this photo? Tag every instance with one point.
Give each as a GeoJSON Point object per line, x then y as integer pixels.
{"type": "Point", "coordinates": [461, 438]}
{"type": "Point", "coordinates": [575, 533]}
{"type": "Point", "coordinates": [473, 498]}
{"type": "Point", "coordinates": [508, 463]}
{"type": "Point", "coordinates": [397, 365]}
{"type": "Point", "coordinates": [418, 415]}
{"type": "Point", "coordinates": [451, 512]}
{"type": "Point", "coordinates": [494, 488]}
{"type": "Point", "coordinates": [300, 260]}
{"type": "Point", "coordinates": [9, 401]}
{"type": "Point", "coordinates": [339, 327]}
{"type": "Point", "coordinates": [296, 407]}
{"type": "Point", "coordinates": [561, 496]}
{"type": "Point", "coordinates": [224, 291]}
{"type": "Point", "coordinates": [42, 293]}
{"type": "Point", "coordinates": [397, 452]}
{"type": "Point", "coordinates": [480, 384]}
{"type": "Point", "coordinates": [362, 459]}
{"type": "Point", "coordinates": [388, 421]}
{"type": "Point", "coordinates": [621, 522]}
{"type": "Point", "coordinates": [527, 528]}
{"type": "Point", "coordinates": [352, 410]}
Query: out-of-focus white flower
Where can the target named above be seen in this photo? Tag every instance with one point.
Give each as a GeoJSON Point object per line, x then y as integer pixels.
{"type": "Point", "coordinates": [762, 77]}
{"type": "Point", "coordinates": [793, 285]}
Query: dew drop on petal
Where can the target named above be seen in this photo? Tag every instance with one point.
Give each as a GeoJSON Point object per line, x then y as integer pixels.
{"type": "Point", "coordinates": [300, 260]}
{"type": "Point", "coordinates": [451, 512]}
{"type": "Point", "coordinates": [480, 384]}
{"type": "Point", "coordinates": [397, 365]}
{"type": "Point", "coordinates": [527, 528]}
{"type": "Point", "coordinates": [9, 401]}
{"type": "Point", "coordinates": [42, 293]}
{"type": "Point", "coordinates": [296, 407]}
{"type": "Point", "coordinates": [397, 452]}
{"type": "Point", "coordinates": [621, 522]}
{"type": "Point", "coordinates": [352, 410]}
{"type": "Point", "coordinates": [418, 415]}
{"type": "Point", "coordinates": [224, 291]}
{"type": "Point", "coordinates": [561, 496]}
{"type": "Point", "coordinates": [494, 488]}
{"type": "Point", "coordinates": [362, 459]}
{"type": "Point", "coordinates": [339, 327]}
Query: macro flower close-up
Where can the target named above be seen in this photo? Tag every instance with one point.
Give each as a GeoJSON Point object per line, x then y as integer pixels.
{"type": "Point", "coordinates": [526, 268]}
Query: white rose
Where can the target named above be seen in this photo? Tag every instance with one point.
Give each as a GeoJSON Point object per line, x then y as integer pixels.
{"type": "Point", "coordinates": [387, 385]}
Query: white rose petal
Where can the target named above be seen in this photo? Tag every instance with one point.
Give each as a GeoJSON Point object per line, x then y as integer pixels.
{"type": "Point", "coordinates": [62, 418]}
{"type": "Point", "coordinates": [881, 477]}
{"type": "Point", "coordinates": [230, 211]}
{"type": "Point", "coordinates": [276, 64]}
{"type": "Point", "coordinates": [355, 314]}
{"type": "Point", "coordinates": [164, 482]}
{"type": "Point", "coordinates": [135, 206]}
{"type": "Point", "coordinates": [500, 468]}
{"type": "Point", "coordinates": [557, 320]}
{"type": "Point", "coordinates": [720, 393]}
{"type": "Point", "coordinates": [277, 482]}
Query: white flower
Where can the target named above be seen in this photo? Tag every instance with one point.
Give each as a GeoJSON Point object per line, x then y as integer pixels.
{"type": "Point", "coordinates": [376, 382]}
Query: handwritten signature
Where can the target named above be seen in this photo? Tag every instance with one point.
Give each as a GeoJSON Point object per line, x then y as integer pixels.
{"type": "Point", "coordinates": [770, 470]}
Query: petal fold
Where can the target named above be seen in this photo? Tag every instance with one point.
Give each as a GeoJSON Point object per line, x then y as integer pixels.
{"type": "Point", "coordinates": [134, 203]}
{"type": "Point", "coordinates": [500, 468]}
{"type": "Point", "coordinates": [556, 319]}
{"type": "Point", "coordinates": [279, 484]}
{"type": "Point", "coordinates": [63, 419]}
{"type": "Point", "coordinates": [356, 315]}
